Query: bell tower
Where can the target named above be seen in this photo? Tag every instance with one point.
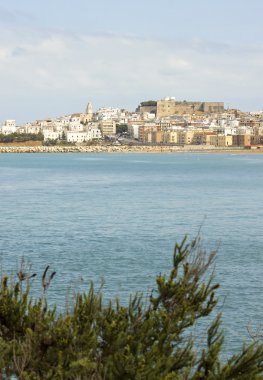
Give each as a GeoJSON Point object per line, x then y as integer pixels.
{"type": "Point", "coordinates": [88, 113]}
{"type": "Point", "coordinates": [89, 109]}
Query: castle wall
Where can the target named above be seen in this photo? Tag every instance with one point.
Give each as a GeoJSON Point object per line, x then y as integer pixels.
{"type": "Point", "coordinates": [169, 107]}
{"type": "Point", "coordinates": [212, 107]}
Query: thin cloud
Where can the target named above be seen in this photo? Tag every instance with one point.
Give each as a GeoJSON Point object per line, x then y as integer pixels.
{"type": "Point", "coordinates": [122, 68]}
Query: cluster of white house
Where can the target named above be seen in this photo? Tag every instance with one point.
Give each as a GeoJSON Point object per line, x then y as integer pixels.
{"type": "Point", "coordinates": [214, 128]}
{"type": "Point", "coordinates": [75, 128]}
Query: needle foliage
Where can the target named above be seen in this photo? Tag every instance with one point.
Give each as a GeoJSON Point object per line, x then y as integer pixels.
{"type": "Point", "coordinates": [145, 340]}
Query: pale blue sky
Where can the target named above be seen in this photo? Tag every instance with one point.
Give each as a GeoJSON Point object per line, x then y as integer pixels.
{"type": "Point", "coordinates": [57, 55]}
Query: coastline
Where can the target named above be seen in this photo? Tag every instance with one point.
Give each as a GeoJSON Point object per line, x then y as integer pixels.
{"type": "Point", "coordinates": [126, 149]}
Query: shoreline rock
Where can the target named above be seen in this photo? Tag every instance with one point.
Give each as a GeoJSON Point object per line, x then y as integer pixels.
{"type": "Point", "coordinates": [124, 149]}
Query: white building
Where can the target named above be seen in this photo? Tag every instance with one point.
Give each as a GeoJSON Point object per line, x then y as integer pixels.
{"type": "Point", "coordinates": [94, 134]}
{"type": "Point", "coordinates": [21, 129]}
{"type": "Point", "coordinates": [84, 136]}
{"type": "Point", "coordinates": [59, 127]}
{"type": "Point", "coordinates": [51, 135]}
{"type": "Point", "coordinates": [8, 127]}
{"type": "Point", "coordinates": [147, 116]}
{"type": "Point", "coordinates": [75, 126]}
{"type": "Point", "coordinates": [109, 113]}
{"type": "Point", "coordinates": [230, 131]}
{"type": "Point", "coordinates": [65, 120]}
{"type": "Point", "coordinates": [76, 137]}
{"type": "Point", "coordinates": [32, 128]}
{"type": "Point", "coordinates": [244, 130]}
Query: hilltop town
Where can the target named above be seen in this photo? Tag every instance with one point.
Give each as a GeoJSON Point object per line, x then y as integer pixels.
{"type": "Point", "coordinates": [165, 122]}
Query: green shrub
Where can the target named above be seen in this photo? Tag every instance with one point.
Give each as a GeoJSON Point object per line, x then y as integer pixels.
{"type": "Point", "coordinates": [21, 137]}
{"type": "Point", "coordinates": [144, 340]}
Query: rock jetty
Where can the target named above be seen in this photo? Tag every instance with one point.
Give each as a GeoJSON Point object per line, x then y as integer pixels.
{"type": "Point", "coordinates": [114, 149]}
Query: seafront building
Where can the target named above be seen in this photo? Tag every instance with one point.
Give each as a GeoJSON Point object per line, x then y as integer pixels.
{"type": "Point", "coordinates": [165, 121]}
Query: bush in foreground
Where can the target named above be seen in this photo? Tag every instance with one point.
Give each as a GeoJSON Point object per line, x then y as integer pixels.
{"type": "Point", "coordinates": [139, 341]}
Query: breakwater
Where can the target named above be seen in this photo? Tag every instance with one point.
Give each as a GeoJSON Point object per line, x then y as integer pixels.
{"type": "Point", "coordinates": [120, 149]}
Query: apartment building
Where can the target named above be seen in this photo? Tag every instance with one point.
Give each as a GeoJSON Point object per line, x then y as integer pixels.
{"type": "Point", "coordinates": [148, 133]}
{"type": "Point", "coordinates": [221, 140]}
{"type": "Point", "coordinates": [202, 137]}
{"type": "Point", "coordinates": [170, 137]}
{"type": "Point", "coordinates": [107, 127]}
{"type": "Point", "coordinates": [157, 137]}
{"type": "Point", "coordinates": [242, 140]}
{"type": "Point", "coordinates": [185, 137]}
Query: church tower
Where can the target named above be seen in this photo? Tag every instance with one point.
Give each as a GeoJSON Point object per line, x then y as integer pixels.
{"type": "Point", "coordinates": [88, 114]}
{"type": "Point", "coordinates": [89, 109]}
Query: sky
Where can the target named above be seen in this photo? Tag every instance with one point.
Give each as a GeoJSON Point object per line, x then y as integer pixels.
{"type": "Point", "coordinates": [58, 55]}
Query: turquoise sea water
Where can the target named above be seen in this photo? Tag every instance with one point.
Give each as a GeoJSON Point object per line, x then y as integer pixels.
{"type": "Point", "coordinates": [116, 217]}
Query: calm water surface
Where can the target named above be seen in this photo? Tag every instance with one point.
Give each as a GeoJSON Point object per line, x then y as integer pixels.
{"type": "Point", "coordinates": [116, 217]}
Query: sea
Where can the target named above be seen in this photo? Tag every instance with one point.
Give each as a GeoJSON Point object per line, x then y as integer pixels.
{"type": "Point", "coordinates": [114, 219]}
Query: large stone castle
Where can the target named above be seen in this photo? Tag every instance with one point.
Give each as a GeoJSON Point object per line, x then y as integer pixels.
{"type": "Point", "coordinates": [169, 107]}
